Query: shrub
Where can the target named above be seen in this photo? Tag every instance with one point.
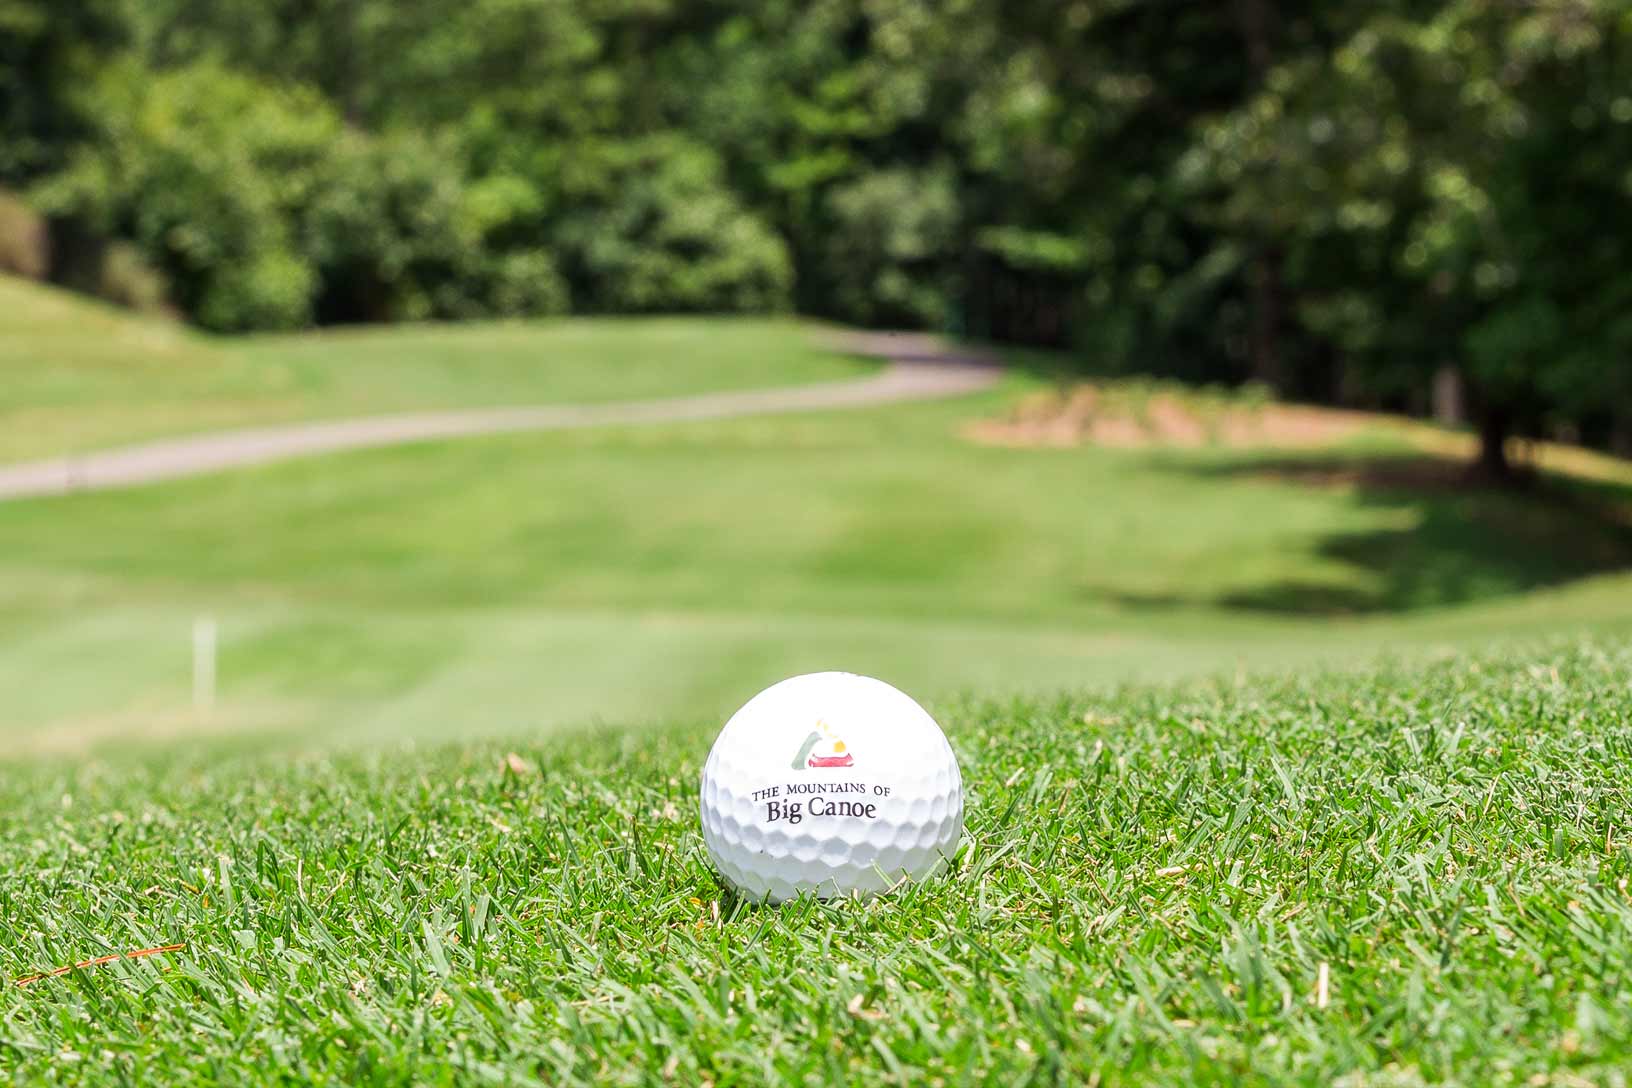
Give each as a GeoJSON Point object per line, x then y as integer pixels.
{"type": "Point", "coordinates": [887, 255]}
{"type": "Point", "coordinates": [127, 279]}
{"type": "Point", "coordinates": [527, 284]}
{"type": "Point", "coordinates": [25, 244]}
{"type": "Point", "coordinates": [386, 234]}
{"type": "Point", "coordinates": [271, 290]}
{"type": "Point", "coordinates": [653, 227]}
{"type": "Point", "coordinates": [201, 168]}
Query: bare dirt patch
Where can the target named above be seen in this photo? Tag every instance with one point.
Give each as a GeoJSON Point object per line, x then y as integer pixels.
{"type": "Point", "coordinates": [1110, 416]}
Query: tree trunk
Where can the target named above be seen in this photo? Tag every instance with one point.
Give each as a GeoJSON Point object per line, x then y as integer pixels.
{"type": "Point", "coordinates": [1495, 425]}
{"type": "Point", "coordinates": [1620, 437]}
{"type": "Point", "coordinates": [1265, 336]}
{"type": "Point", "coordinates": [1448, 399]}
{"type": "Point", "coordinates": [1254, 20]}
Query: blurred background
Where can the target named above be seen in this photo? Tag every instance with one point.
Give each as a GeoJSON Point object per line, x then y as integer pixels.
{"type": "Point", "coordinates": [1314, 328]}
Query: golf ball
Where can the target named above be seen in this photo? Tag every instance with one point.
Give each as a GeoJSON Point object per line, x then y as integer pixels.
{"type": "Point", "coordinates": [832, 784]}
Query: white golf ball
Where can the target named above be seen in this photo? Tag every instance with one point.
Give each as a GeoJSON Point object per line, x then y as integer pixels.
{"type": "Point", "coordinates": [832, 784]}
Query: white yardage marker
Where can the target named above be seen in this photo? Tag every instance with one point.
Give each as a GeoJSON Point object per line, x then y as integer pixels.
{"type": "Point", "coordinates": [204, 664]}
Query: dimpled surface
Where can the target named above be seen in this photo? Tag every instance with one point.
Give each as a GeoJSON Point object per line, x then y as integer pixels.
{"type": "Point", "coordinates": [776, 830]}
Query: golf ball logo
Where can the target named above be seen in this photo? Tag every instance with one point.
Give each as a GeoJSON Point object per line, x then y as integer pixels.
{"type": "Point", "coordinates": [830, 784]}
{"type": "Point", "coordinates": [823, 748]}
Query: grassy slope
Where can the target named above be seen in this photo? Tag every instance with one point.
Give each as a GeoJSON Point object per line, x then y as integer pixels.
{"type": "Point", "coordinates": [496, 586]}
{"type": "Point", "coordinates": [1151, 888]}
{"type": "Point", "coordinates": [76, 375]}
{"type": "Point", "coordinates": [501, 585]}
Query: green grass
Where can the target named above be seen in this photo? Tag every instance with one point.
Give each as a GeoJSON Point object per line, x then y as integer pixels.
{"type": "Point", "coordinates": [501, 585]}
{"type": "Point", "coordinates": [75, 375]}
{"type": "Point", "coordinates": [1151, 887]}
{"type": "Point", "coordinates": [1154, 878]}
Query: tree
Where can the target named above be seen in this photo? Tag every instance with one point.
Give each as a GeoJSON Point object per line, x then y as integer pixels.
{"type": "Point", "coordinates": [1343, 199]}
{"type": "Point", "coordinates": [1452, 189]}
{"type": "Point", "coordinates": [1069, 139]}
{"type": "Point", "coordinates": [50, 52]}
{"type": "Point", "coordinates": [654, 229]}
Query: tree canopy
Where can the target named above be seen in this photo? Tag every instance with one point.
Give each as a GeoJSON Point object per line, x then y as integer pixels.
{"type": "Point", "coordinates": [1340, 201]}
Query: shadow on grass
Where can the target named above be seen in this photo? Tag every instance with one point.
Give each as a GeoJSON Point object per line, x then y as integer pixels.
{"type": "Point", "coordinates": [1458, 540]}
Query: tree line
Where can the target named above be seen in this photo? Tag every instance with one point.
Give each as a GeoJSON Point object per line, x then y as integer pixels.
{"type": "Point", "coordinates": [1342, 201]}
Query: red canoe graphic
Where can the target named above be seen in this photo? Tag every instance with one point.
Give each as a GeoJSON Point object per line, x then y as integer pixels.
{"type": "Point", "coordinates": [832, 761]}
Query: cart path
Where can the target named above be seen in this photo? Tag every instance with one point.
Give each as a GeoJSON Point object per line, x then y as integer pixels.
{"type": "Point", "coordinates": [920, 368]}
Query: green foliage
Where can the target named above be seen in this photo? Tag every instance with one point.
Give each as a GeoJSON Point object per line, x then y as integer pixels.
{"type": "Point", "coordinates": [654, 228]}
{"type": "Point", "coordinates": [890, 247]}
{"type": "Point", "coordinates": [526, 283]}
{"type": "Point", "coordinates": [421, 62]}
{"type": "Point", "coordinates": [1335, 201]}
{"type": "Point", "coordinates": [386, 231]}
{"type": "Point", "coordinates": [265, 210]}
{"type": "Point", "coordinates": [1449, 189]}
{"type": "Point", "coordinates": [204, 169]}
{"type": "Point", "coordinates": [264, 290]}
{"type": "Point", "coordinates": [50, 54]}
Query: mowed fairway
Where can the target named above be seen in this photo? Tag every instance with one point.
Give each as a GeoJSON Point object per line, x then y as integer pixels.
{"type": "Point", "coordinates": [76, 376]}
{"type": "Point", "coordinates": [1413, 876]}
{"type": "Point", "coordinates": [662, 573]}
{"type": "Point", "coordinates": [636, 576]}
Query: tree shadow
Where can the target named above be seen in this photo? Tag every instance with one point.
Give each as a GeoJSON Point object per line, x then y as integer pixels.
{"type": "Point", "coordinates": [1458, 540]}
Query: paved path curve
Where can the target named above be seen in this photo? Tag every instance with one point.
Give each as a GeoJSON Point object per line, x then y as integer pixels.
{"type": "Point", "coordinates": [921, 368]}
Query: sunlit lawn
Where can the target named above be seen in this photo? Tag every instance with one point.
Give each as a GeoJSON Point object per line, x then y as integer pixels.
{"type": "Point", "coordinates": [644, 575]}
{"type": "Point", "coordinates": [76, 375]}
{"type": "Point", "coordinates": [1403, 877]}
